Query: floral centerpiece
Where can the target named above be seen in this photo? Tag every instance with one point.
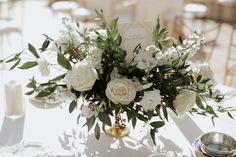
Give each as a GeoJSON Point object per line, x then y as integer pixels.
{"type": "Point", "coordinates": [94, 69]}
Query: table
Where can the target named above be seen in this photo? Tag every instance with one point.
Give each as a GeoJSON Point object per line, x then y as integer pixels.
{"type": "Point", "coordinates": [57, 128]}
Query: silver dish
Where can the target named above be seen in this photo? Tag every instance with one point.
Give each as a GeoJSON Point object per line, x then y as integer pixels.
{"type": "Point", "coordinates": [197, 150]}
{"type": "Point", "coordinates": [217, 144]}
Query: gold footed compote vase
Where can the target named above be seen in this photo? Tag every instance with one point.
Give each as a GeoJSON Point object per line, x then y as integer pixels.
{"type": "Point", "coordinates": [119, 129]}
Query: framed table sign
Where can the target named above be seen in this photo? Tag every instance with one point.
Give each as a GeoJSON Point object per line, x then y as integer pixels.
{"type": "Point", "coordinates": [133, 34]}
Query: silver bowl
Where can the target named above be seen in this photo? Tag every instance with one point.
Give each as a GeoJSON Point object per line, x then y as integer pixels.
{"type": "Point", "coordinates": [217, 144]}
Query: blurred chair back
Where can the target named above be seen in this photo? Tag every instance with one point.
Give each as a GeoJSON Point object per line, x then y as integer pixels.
{"type": "Point", "coordinates": [105, 5]}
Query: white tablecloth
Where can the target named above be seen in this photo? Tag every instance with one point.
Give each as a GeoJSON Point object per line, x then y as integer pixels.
{"type": "Point", "coordinates": [59, 130]}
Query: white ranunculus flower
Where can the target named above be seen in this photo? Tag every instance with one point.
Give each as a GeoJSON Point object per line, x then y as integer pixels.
{"type": "Point", "coordinates": [150, 100]}
{"type": "Point", "coordinates": [145, 61]}
{"type": "Point", "coordinates": [93, 35]}
{"type": "Point", "coordinates": [152, 49]}
{"type": "Point", "coordinates": [82, 76]}
{"type": "Point", "coordinates": [89, 111]}
{"type": "Point", "coordinates": [184, 101]}
{"type": "Point", "coordinates": [206, 72]}
{"type": "Point", "coordinates": [121, 91]}
{"type": "Point", "coordinates": [43, 66]}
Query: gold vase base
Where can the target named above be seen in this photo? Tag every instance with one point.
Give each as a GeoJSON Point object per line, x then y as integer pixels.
{"type": "Point", "coordinates": [117, 131]}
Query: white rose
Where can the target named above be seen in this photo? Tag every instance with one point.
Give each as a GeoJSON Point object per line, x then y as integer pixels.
{"type": "Point", "coordinates": [145, 61]}
{"type": "Point", "coordinates": [152, 49]}
{"type": "Point", "coordinates": [89, 111]}
{"type": "Point", "coordinates": [184, 101]}
{"type": "Point", "coordinates": [43, 66]}
{"type": "Point", "coordinates": [82, 76]}
{"type": "Point", "coordinates": [150, 100]}
{"type": "Point", "coordinates": [121, 91]}
{"type": "Point", "coordinates": [94, 35]}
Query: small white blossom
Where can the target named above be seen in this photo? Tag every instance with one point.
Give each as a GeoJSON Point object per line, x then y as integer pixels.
{"type": "Point", "coordinates": [89, 111]}
{"type": "Point", "coordinates": [95, 56]}
{"type": "Point", "coordinates": [150, 100]}
{"type": "Point", "coordinates": [43, 66]}
{"type": "Point", "coordinates": [167, 57]}
{"type": "Point", "coordinates": [152, 49]}
{"type": "Point", "coordinates": [115, 74]}
{"type": "Point", "coordinates": [193, 43]}
{"type": "Point", "coordinates": [145, 61]}
{"type": "Point", "coordinates": [205, 71]}
{"type": "Point", "coordinates": [93, 35]}
{"type": "Point", "coordinates": [184, 101]}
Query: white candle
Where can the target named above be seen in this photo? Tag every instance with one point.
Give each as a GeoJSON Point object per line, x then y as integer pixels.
{"type": "Point", "coordinates": [14, 99]}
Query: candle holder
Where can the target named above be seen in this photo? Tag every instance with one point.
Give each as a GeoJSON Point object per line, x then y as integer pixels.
{"type": "Point", "coordinates": [14, 101]}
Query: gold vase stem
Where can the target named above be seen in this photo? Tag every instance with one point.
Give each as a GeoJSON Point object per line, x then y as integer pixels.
{"type": "Point", "coordinates": [119, 129]}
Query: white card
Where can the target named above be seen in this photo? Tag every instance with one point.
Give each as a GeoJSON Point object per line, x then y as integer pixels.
{"type": "Point", "coordinates": [133, 34]}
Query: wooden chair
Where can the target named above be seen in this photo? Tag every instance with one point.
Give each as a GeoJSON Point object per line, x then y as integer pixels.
{"type": "Point", "coordinates": [230, 67]}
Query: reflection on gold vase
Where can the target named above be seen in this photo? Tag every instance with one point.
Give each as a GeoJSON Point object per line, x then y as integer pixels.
{"type": "Point", "coordinates": [119, 129]}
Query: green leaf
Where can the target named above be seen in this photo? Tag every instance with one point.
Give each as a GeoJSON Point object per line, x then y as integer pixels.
{"type": "Point", "coordinates": [46, 92]}
{"type": "Point", "coordinates": [61, 59]}
{"type": "Point", "coordinates": [213, 120]}
{"type": "Point", "coordinates": [45, 45]}
{"type": "Point", "coordinates": [72, 106]}
{"type": "Point", "coordinates": [210, 110]}
{"type": "Point", "coordinates": [28, 65]}
{"type": "Point", "coordinates": [15, 58]}
{"type": "Point", "coordinates": [230, 115]}
{"type": "Point", "coordinates": [31, 85]}
{"type": "Point", "coordinates": [30, 92]}
{"type": "Point", "coordinates": [157, 124]}
{"type": "Point", "coordinates": [97, 131]}
{"type": "Point", "coordinates": [164, 110]}
{"type": "Point", "coordinates": [152, 133]}
{"type": "Point", "coordinates": [17, 62]}
{"type": "Point", "coordinates": [90, 122]}
{"type": "Point", "coordinates": [142, 118]}
{"type": "Point", "coordinates": [60, 77]}
{"type": "Point", "coordinates": [199, 78]}
{"type": "Point", "coordinates": [134, 121]}
{"type": "Point", "coordinates": [104, 118]}
{"type": "Point", "coordinates": [33, 50]}
{"type": "Point", "coordinates": [199, 103]}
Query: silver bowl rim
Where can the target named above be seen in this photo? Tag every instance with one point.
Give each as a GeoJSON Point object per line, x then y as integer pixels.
{"type": "Point", "coordinates": [217, 151]}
